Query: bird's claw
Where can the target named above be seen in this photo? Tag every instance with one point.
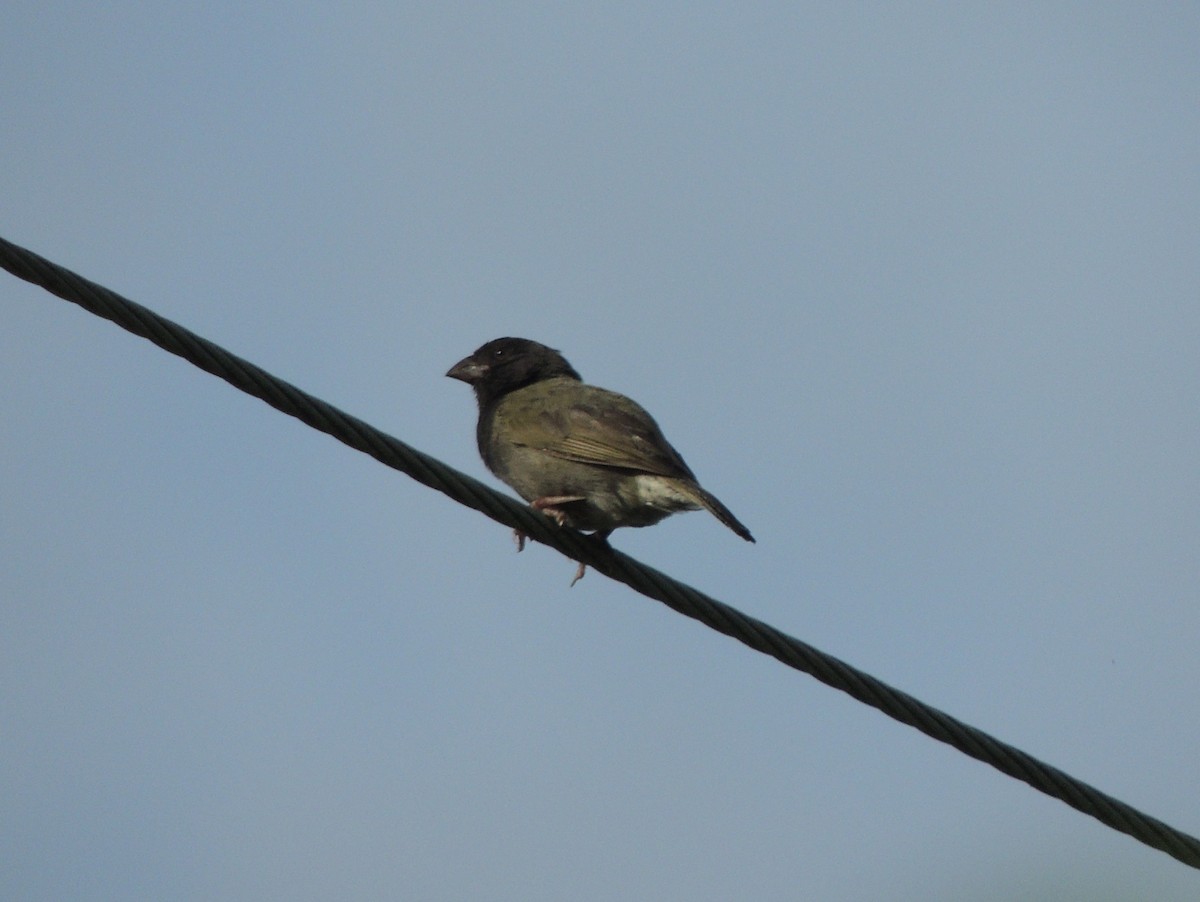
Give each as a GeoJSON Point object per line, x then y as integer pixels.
{"type": "Point", "coordinates": [549, 505]}
{"type": "Point", "coordinates": [600, 537]}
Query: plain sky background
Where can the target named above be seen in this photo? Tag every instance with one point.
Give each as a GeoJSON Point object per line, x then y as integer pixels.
{"type": "Point", "coordinates": [915, 289]}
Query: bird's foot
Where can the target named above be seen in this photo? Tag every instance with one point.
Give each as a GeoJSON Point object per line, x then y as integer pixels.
{"type": "Point", "coordinates": [600, 536]}
{"type": "Point", "coordinates": [549, 505]}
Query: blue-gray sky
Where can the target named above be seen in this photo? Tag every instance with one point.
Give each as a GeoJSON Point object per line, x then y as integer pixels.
{"type": "Point", "coordinates": [914, 288]}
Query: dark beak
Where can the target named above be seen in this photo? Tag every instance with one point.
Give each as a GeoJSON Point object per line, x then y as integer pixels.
{"type": "Point", "coordinates": [468, 370]}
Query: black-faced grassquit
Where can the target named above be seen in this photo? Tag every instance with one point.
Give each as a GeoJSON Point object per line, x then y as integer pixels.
{"type": "Point", "coordinates": [587, 457]}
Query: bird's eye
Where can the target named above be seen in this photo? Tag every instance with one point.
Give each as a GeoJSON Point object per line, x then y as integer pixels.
{"type": "Point", "coordinates": [498, 353]}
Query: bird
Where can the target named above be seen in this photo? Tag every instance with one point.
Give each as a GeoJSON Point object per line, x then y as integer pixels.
{"type": "Point", "coordinates": [588, 458]}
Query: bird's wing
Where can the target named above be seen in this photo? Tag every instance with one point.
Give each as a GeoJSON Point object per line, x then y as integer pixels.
{"type": "Point", "coordinates": [606, 429]}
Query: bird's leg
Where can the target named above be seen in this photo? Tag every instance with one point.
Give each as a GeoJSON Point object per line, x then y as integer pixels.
{"type": "Point", "coordinates": [600, 536]}
{"type": "Point", "coordinates": [549, 505]}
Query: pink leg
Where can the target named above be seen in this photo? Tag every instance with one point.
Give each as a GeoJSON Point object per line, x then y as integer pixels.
{"type": "Point", "coordinates": [548, 505]}
{"type": "Point", "coordinates": [599, 536]}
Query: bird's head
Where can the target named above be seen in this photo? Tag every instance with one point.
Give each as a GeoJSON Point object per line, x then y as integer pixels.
{"type": "Point", "coordinates": [506, 364]}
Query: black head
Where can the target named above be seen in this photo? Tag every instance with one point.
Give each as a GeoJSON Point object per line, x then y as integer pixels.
{"type": "Point", "coordinates": [506, 364]}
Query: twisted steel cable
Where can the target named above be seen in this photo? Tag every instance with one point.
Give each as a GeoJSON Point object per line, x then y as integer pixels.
{"type": "Point", "coordinates": [684, 599]}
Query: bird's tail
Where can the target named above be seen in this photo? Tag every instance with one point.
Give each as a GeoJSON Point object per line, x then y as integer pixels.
{"type": "Point", "coordinates": [710, 503]}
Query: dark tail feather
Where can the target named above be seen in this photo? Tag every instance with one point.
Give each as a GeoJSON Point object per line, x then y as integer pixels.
{"type": "Point", "coordinates": [721, 512]}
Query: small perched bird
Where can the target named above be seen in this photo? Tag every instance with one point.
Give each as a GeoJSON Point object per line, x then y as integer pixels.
{"type": "Point", "coordinates": [586, 457]}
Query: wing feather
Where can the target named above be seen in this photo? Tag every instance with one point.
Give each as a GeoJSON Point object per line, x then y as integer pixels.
{"type": "Point", "coordinates": [605, 429]}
